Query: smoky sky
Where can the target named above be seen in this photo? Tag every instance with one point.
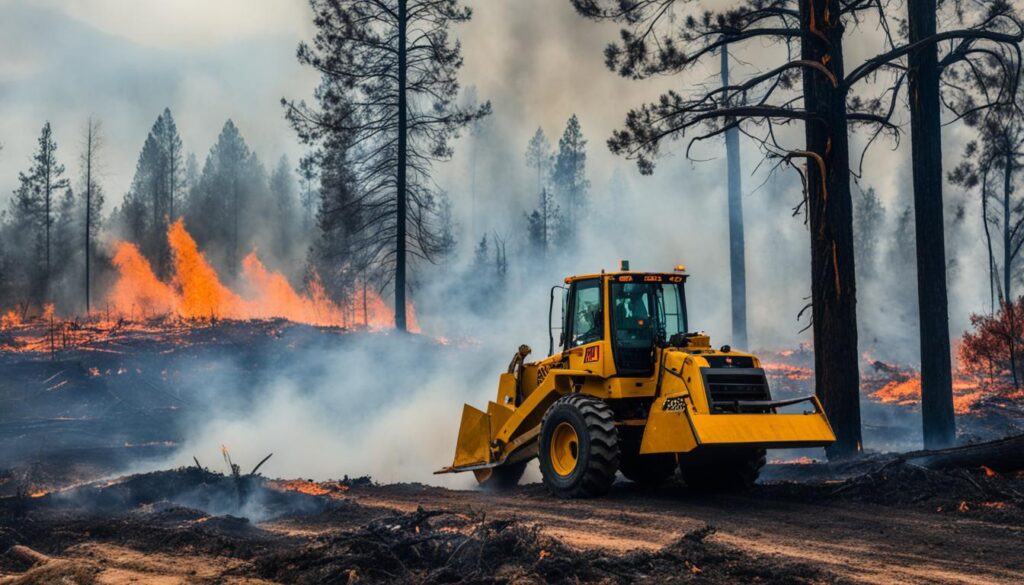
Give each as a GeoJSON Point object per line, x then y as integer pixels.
{"type": "Point", "coordinates": [535, 60]}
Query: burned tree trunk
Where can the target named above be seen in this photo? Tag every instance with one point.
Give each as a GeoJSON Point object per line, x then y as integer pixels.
{"type": "Point", "coordinates": [1007, 237]}
{"type": "Point", "coordinates": [830, 210]}
{"type": "Point", "coordinates": [926, 138]}
{"type": "Point", "coordinates": [737, 256]}
{"type": "Point", "coordinates": [402, 169]}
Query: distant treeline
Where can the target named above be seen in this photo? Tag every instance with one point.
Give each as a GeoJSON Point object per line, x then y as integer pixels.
{"type": "Point", "coordinates": [56, 236]}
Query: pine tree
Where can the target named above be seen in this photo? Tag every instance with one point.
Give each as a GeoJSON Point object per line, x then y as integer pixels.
{"type": "Point", "coordinates": [175, 167]}
{"type": "Point", "coordinates": [535, 233]}
{"type": "Point", "coordinates": [545, 225]}
{"type": "Point", "coordinates": [92, 198]}
{"type": "Point", "coordinates": [336, 256]}
{"type": "Point", "coordinates": [539, 158]}
{"type": "Point", "coordinates": [282, 189]}
{"type": "Point", "coordinates": [570, 176]}
{"type": "Point", "coordinates": [448, 241]}
{"type": "Point", "coordinates": [481, 255]}
{"type": "Point", "coordinates": [230, 186]}
{"type": "Point", "coordinates": [152, 202]}
{"type": "Point", "coordinates": [901, 260]}
{"type": "Point", "coordinates": [33, 210]}
{"type": "Point", "coordinates": [67, 233]}
{"type": "Point", "coordinates": [868, 217]}
{"type": "Point", "coordinates": [389, 80]}
{"type": "Point", "coordinates": [307, 186]}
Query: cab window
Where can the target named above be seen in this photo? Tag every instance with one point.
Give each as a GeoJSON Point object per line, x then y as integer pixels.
{"type": "Point", "coordinates": [586, 323]}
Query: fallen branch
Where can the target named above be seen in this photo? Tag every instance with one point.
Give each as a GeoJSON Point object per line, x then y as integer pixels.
{"type": "Point", "coordinates": [1005, 456]}
{"type": "Point", "coordinates": [260, 464]}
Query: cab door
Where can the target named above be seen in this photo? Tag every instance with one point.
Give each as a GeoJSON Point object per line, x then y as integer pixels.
{"type": "Point", "coordinates": [585, 337]}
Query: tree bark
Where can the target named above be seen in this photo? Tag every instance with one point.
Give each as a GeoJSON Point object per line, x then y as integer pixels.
{"type": "Point", "coordinates": [737, 253]}
{"type": "Point", "coordinates": [400, 317]}
{"type": "Point", "coordinates": [926, 138]}
{"type": "Point", "coordinates": [830, 210]}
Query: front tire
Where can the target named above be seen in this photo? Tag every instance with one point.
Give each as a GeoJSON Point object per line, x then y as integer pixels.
{"type": "Point", "coordinates": [579, 447]}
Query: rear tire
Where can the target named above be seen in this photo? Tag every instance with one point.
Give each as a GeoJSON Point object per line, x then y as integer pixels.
{"type": "Point", "coordinates": [503, 477]}
{"type": "Point", "coordinates": [579, 447]}
{"type": "Point", "coordinates": [651, 469]}
{"type": "Point", "coordinates": [723, 471]}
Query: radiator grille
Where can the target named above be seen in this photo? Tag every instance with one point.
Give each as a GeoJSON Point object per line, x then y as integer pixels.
{"type": "Point", "coordinates": [726, 386]}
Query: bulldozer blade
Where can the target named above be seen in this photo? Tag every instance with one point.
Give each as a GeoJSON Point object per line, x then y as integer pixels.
{"type": "Point", "coordinates": [473, 446]}
{"type": "Point", "coordinates": [680, 430]}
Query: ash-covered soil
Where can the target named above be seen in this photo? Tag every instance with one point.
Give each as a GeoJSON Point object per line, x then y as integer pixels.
{"type": "Point", "coordinates": [192, 525]}
{"type": "Point", "coordinates": [106, 399]}
{"type": "Point", "coordinates": [136, 527]}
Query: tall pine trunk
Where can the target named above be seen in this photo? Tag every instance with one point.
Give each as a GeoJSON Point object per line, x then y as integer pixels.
{"type": "Point", "coordinates": [48, 196]}
{"type": "Point", "coordinates": [88, 215]}
{"type": "Point", "coordinates": [737, 254]}
{"type": "Point", "coordinates": [926, 139]}
{"type": "Point", "coordinates": [988, 243]}
{"type": "Point", "coordinates": [1007, 237]}
{"type": "Point", "coordinates": [830, 209]}
{"type": "Point", "coordinates": [400, 316]}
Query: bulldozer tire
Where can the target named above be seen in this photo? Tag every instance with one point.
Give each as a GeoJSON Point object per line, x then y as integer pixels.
{"type": "Point", "coordinates": [736, 471]}
{"type": "Point", "coordinates": [648, 469]}
{"type": "Point", "coordinates": [579, 447]}
{"type": "Point", "coordinates": [501, 478]}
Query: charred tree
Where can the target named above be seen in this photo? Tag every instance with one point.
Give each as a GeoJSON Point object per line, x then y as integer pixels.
{"type": "Point", "coordinates": [92, 142]}
{"type": "Point", "coordinates": [737, 252]}
{"type": "Point", "coordinates": [388, 86]}
{"type": "Point", "coordinates": [926, 138]}
{"type": "Point", "coordinates": [830, 214]}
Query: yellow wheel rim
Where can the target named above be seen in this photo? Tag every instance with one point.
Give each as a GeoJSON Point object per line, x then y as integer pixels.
{"type": "Point", "coordinates": [564, 449]}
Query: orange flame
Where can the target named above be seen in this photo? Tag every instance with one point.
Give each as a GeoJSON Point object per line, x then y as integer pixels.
{"type": "Point", "coordinates": [331, 489]}
{"type": "Point", "coordinates": [196, 291]}
{"type": "Point", "coordinates": [906, 391]}
{"type": "Point", "coordinates": [10, 319]}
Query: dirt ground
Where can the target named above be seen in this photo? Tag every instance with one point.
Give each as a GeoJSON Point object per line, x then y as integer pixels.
{"type": "Point", "coordinates": [859, 541]}
{"type": "Point", "coordinates": [187, 526]}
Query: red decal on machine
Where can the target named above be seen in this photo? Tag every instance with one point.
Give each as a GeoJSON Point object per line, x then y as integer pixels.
{"type": "Point", "coordinates": [593, 354]}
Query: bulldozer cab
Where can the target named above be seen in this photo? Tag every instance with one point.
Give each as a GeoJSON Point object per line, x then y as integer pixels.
{"type": "Point", "coordinates": [624, 316]}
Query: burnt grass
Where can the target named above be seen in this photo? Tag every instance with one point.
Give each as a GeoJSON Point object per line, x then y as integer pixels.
{"type": "Point", "coordinates": [164, 512]}
{"type": "Point", "coordinates": [978, 492]}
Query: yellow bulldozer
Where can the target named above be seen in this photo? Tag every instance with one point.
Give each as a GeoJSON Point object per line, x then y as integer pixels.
{"type": "Point", "coordinates": [629, 388]}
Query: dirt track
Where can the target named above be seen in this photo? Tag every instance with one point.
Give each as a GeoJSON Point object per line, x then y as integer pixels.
{"type": "Point", "coordinates": [864, 542]}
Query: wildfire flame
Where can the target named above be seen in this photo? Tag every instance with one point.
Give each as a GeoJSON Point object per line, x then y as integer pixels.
{"type": "Point", "coordinates": [906, 391]}
{"type": "Point", "coordinates": [310, 488]}
{"type": "Point", "coordinates": [195, 291]}
{"type": "Point", "coordinates": [9, 320]}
